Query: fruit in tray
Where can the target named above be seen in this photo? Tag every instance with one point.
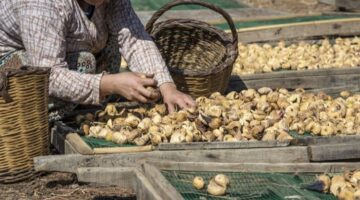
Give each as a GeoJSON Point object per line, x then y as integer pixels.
{"type": "Point", "coordinates": [250, 115]}
{"type": "Point", "coordinates": [343, 186]}
{"type": "Point", "coordinates": [257, 58]}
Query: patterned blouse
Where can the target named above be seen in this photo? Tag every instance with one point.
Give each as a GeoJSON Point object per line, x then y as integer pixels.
{"type": "Point", "coordinates": [49, 29]}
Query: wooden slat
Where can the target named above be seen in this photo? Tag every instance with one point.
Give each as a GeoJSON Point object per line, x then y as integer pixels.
{"type": "Point", "coordinates": [326, 140]}
{"type": "Point", "coordinates": [238, 14]}
{"type": "Point", "coordinates": [145, 190]}
{"type": "Point", "coordinates": [256, 167]}
{"type": "Point", "coordinates": [120, 176]}
{"type": "Point", "coordinates": [221, 145]}
{"type": "Point", "coordinates": [78, 144]}
{"type": "Point", "coordinates": [351, 5]}
{"type": "Point", "coordinates": [69, 163]}
{"type": "Point", "coordinates": [330, 2]}
{"type": "Point", "coordinates": [332, 80]}
{"type": "Point", "coordinates": [111, 150]}
{"type": "Point", "coordinates": [334, 152]}
{"type": "Point", "coordinates": [164, 188]}
{"type": "Point", "coordinates": [342, 27]}
{"type": "Point", "coordinates": [128, 178]}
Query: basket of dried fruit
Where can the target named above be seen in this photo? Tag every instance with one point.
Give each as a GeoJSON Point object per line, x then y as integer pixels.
{"type": "Point", "coordinates": [23, 119]}
{"type": "Point", "coordinates": [199, 56]}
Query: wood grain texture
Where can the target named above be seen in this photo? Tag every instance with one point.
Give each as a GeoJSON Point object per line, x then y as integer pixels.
{"type": "Point", "coordinates": [128, 178]}
{"type": "Point", "coordinates": [221, 145]}
{"type": "Point", "coordinates": [164, 187]}
{"type": "Point", "coordinates": [334, 152]}
{"type": "Point", "coordinates": [340, 27]}
{"type": "Point", "coordinates": [69, 163]}
{"type": "Point", "coordinates": [256, 167]}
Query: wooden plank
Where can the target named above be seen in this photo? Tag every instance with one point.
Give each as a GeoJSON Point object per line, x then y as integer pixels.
{"type": "Point", "coordinates": [123, 149]}
{"type": "Point", "coordinates": [164, 188]}
{"type": "Point", "coordinates": [256, 167]}
{"type": "Point", "coordinates": [128, 178]}
{"type": "Point", "coordinates": [238, 14]}
{"type": "Point", "coordinates": [69, 163]}
{"type": "Point", "coordinates": [221, 145]}
{"type": "Point", "coordinates": [330, 2]}
{"type": "Point", "coordinates": [346, 27]}
{"type": "Point", "coordinates": [69, 149]}
{"type": "Point", "coordinates": [120, 176]}
{"type": "Point", "coordinates": [78, 144]}
{"type": "Point", "coordinates": [145, 190]}
{"type": "Point", "coordinates": [299, 81]}
{"type": "Point", "coordinates": [350, 5]}
{"type": "Point", "coordinates": [303, 73]}
{"type": "Point", "coordinates": [334, 152]}
{"type": "Point", "coordinates": [326, 140]}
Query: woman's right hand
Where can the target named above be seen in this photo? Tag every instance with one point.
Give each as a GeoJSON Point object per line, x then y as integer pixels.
{"type": "Point", "coordinates": [130, 85]}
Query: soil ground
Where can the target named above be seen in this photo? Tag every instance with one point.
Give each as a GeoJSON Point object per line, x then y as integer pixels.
{"type": "Point", "coordinates": [61, 186]}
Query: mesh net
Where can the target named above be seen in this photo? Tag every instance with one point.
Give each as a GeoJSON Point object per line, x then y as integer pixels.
{"type": "Point", "coordinates": [248, 186]}
{"type": "Point", "coordinates": [150, 5]}
{"type": "Point", "coordinates": [257, 23]}
{"type": "Point", "coordinates": [101, 143]}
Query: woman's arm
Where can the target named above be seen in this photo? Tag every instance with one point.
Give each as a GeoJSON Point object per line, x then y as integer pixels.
{"type": "Point", "coordinates": [141, 52]}
{"type": "Point", "coordinates": [43, 32]}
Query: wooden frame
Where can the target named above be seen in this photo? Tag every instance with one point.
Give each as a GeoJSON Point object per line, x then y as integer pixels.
{"type": "Point", "coordinates": [127, 178]}
{"type": "Point", "coordinates": [152, 170]}
{"type": "Point", "coordinates": [341, 27]}
{"type": "Point", "coordinates": [331, 81]}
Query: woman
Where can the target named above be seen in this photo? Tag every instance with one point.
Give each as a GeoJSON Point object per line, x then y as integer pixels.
{"type": "Point", "coordinates": [77, 36]}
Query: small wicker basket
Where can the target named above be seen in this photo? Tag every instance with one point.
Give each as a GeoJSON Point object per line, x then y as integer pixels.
{"type": "Point", "coordinates": [199, 56]}
{"type": "Point", "coordinates": [23, 119]}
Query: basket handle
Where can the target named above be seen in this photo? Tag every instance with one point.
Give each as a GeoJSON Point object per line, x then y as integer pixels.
{"type": "Point", "coordinates": [161, 11]}
{"type": "Point", "coordinates": [3, 87]}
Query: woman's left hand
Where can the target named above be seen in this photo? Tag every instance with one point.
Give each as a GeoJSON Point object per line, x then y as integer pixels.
{"type": "Point", "coordinates": [174, 98]}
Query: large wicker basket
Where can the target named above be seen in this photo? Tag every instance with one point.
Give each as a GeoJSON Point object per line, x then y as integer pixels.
{"type": "Point", "coordinates": [199, 56]}
{"type": "Point", "coordinates": [23, 119]}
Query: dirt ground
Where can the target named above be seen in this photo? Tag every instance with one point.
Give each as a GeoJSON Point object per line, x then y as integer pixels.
{"type": "Point", "coordinates": [292, 6]}
{"type": "Point", "coordinates": [61, 186]}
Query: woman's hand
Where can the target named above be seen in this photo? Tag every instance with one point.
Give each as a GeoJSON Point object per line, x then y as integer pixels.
{"type": "Point", "coordinates": [130, 85]}
{"type": "Point", "coordinates": [173, 98]}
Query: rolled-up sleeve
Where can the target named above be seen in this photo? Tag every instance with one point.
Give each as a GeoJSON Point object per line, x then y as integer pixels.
{"type": "Point", "coordinates": [43, 33]}
{"type": "Point", "coordinates": [136, 46]}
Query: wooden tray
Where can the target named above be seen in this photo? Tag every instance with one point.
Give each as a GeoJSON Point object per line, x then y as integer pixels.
{"type": "Point", "coordinates": [152, 171]}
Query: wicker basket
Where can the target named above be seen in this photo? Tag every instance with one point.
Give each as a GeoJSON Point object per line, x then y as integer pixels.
{"type": "Point", "coordinates": [199, 56]}
{"type": "Point", "coordinates": [23, 119]}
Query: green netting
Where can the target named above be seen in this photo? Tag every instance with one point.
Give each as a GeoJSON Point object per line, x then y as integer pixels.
{"type": "Point", "coordinates": [248, 186]}
{"type": "Point", "coordinates": [150, 5]}
{"type": "Point", "coordinates": [101, 143]}
{"type": "Point", "coordinates": [257, 23]}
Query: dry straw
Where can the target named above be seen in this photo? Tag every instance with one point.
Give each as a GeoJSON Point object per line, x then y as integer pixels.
{"type": "Point", "coordinates": [23, 119]}
{"type": "Point", "coordinates": [200, 57]}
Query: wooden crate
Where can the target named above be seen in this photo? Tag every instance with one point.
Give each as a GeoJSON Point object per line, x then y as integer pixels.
{"type": "Point", "coordinates": [152, 170]}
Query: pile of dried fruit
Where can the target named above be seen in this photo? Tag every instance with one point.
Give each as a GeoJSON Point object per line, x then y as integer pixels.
{"type": "Point", "coordinates": [254, 58]}
{"type": "Point", "coordinates": [346, 186]}
{"type": "Point", "coordinates": [251, 115]}
{"type": "Point", "coordinates": [217, 185]}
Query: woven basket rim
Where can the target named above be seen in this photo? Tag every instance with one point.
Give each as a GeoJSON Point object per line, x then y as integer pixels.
{"type": "Point", "coordinates": [24, 70]}
{"type": "Point", "coordinates": [229, 57]}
